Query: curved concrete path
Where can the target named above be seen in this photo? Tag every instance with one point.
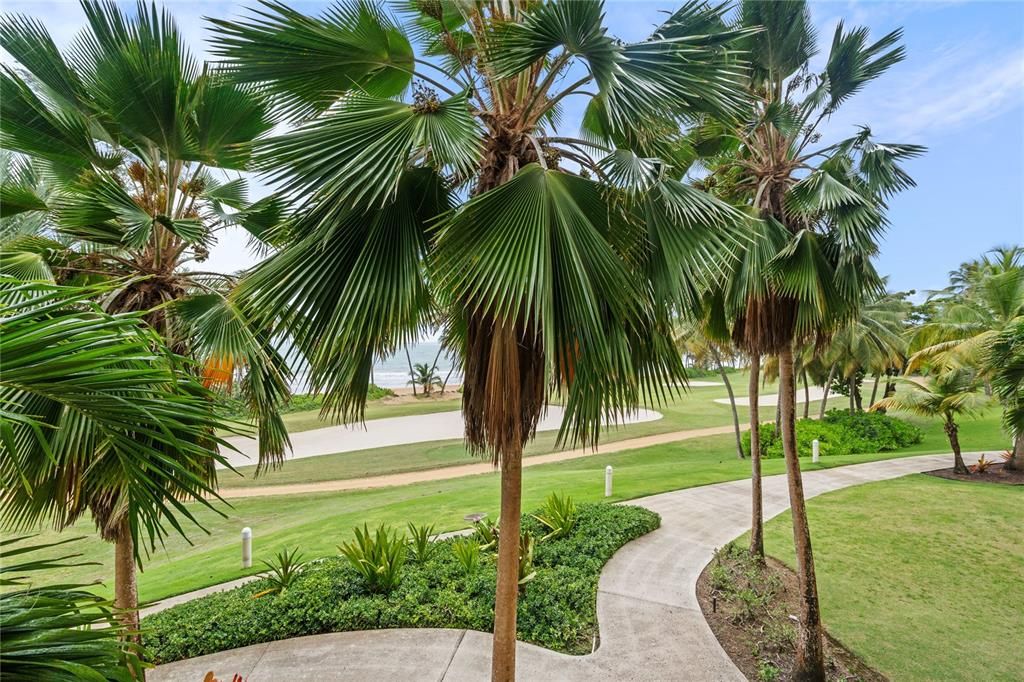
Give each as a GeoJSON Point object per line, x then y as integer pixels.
{"type": "Point", "coordinates": [379, 433]}
{"type": "Point", "coordinates": [771, 399]}
{"type": "Point", "coordinates": [651, 625]}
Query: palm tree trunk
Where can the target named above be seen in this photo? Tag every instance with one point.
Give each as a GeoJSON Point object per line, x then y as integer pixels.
{"type": "Point", "coordinates": [756, 513]}
{"type": "Point", "coordinates": [732, 403]}
{"type": "Point", "coordinates": [874, 389]}
{"type": "Point", "coordinates": [851, 384]}
{"type": "Point", "coordinates": [807, 395]}
{"type": "Point", "coordinates": [828, 385]}
{"type": "Point", "coordinates": [503, 655]}
{"type": "Point", "coordinates": [447, 377]}
{"type": "Point", "coordinates": [810, 655]}
{"type": "Point", "coordinates": [126, 589]}
{"type": "Point", "coordinates": [412, 375]}
{"type": "Point", "coordinates": [1016, 461]}
{"type": "Point", "coordinates": [952, 432]}
{"type": "Point", "coordinates": [778, 411]}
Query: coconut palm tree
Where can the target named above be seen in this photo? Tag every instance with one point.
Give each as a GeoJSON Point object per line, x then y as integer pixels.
{"type": "Point", "coordinates": [822, 210]}
{"type": "Point", "coordinates": [98, 417]}
{"type": "Point", "coordinates": [948, 395]}
{"type": "Point", "coordinates": [122, 143]}
{"type": "Point", "coordinates": [435, 185]}
{"type": "Point", "coordinates": [425, 377]}
{"type": "Point", "coordinates": [696, 340]}
{"type": "Point", "coordinates": [1004, 361]}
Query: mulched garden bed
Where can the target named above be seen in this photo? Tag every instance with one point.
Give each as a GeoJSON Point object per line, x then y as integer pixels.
{"type": "Point", "coordinates": [995, 473]}
{"type": "Point", "coordinates": [748, 607]}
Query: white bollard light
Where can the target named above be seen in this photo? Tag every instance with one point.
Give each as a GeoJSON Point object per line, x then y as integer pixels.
{"type": "Point", "coordinates": [246, 547]}
{"type": "Point", "coordinates": [608, 481]}
{"type": "Point", "coordinates": [815, 451]}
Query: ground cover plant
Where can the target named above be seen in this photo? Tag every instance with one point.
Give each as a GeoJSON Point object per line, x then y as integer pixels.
{"type": "Point", "coordinates": [842, 433]}
{"type": "Point", "coordinates": [942, 555]}
{"type": "Point", "coordinates": [557, 606]}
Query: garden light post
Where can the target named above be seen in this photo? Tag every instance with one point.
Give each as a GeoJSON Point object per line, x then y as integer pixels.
{"type": "Point", "coordinates": [608, 481]}
{"type": "Point", "coordinates": [246, 547]}
{"type": "Point", "coordinates": [815, 451]}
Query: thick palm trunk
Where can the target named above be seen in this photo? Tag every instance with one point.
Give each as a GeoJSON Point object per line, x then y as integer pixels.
{"type": "Point", "coordinates": [1016, 461]}
{"type": "Point", "coordinates": [732, 404]}
{"type": "Point", "coordinates": [952, 432]}
{"type": "Point", "coordinates": [756, 510]}
{"type": "Point", "coordinates": [828, 385]}
{"type": "Point", "coordinates": [810, 655]}
{"type": "Point", "coordinates": [503, 656]}
{"type": "Point", "coordinates": [126, 590]}
{"type": "Point", "coordinates": [874, 389]}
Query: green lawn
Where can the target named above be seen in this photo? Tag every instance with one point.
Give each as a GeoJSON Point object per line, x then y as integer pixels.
{"type": "Point", "coordinates": [922, 577]}
{"type": "Point", "coordinates": [318, 523]}
{"type": "Point", "coordinates": [693, 410]}
{"type": "Point", "coordinates": [378, 409]}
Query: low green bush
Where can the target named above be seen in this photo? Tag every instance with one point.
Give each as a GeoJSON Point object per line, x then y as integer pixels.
{"type": "Point", "coordinates": [557, 608]}
{"type": "Point", "coordinates": [842, 433]}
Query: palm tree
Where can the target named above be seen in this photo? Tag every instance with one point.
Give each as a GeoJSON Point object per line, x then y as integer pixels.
{"type": "Point", "coordinates": [1005, 364]}
{"type": "Point", "coordinates": [130, 136]}
{"type": "Point", "coordinates": [555, 262]}
{"type": "Point", "coordinates": [871, 343]}
{"type": "Point", "coordinates": [696, 340]}
{"type": "Point", "coordinates": [423, 375]}
{"type": "Point", "coordinates": [947, 395]}
{"type": "Point", "coordinates": [821, 208]}
{"type": "Point", "coordinates": [97, 416]}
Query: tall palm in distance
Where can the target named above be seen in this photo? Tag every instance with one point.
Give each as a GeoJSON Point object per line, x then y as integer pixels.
{"type": "Point", "coordinates": [822, 210]}
{"type": "Point", "coordinates": [437, 185]}
{"type": "Point", "coordinates": [122, 142]}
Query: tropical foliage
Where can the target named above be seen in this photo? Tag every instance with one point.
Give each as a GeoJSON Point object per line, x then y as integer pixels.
{"type": "Point", "coordinates": [436, 187]}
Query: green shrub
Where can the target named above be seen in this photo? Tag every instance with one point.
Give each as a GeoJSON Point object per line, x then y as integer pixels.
{"type": "Point", "coordinates": [284, 569]}
{"type": "Point", "coordinates": [842, 433]}
{"type": "Point", "coordinates": [557, 609]}
{"type": "Point", "coordinates": [527, 545]}
{"type": "Point", "coordinates": [234, 407]}
{"type": "Point", "coordinates": [467, 551]}
{"type": "Point", "coordinates": [379, 557]}
{"type": "Point", "coordinates": [487, 533]}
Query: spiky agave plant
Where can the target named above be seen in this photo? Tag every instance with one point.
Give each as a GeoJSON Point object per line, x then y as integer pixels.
{"type": "Point", "coordinates": [440, 185]}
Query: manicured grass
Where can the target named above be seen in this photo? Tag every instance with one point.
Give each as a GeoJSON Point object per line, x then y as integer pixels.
{"type": "Point", "coordinates": [318, 523]}
{"type": "Point", "coordinates": [378, 409]}
{"type": "Point", "coordinates": [920, 576]}
{"type": "Point", "coordinates": [694, 410]}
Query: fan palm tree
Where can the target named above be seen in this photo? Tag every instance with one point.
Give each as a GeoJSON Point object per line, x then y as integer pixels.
{"type": "Point", "coordinates": [129, 137]}
{"type": "Point", "coordinates": [554, 261]}
{"type": "Point", "coordinates": [97, 416]}
{"type": "Point", "coordinates": [948, 395]}
{"type": "Point", "coordinates": [822, 210]}
{"type": "Point", "coordinates": [423, 375]}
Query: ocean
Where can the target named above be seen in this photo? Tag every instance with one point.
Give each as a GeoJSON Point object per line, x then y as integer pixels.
{"type": "Point", "coordinates": [394, 371]}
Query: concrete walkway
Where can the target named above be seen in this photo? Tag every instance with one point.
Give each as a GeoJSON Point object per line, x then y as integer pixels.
{"type": "Point", "coordinates": [651, 626]}
{"type": "Point", "coordinates": [379, 433]}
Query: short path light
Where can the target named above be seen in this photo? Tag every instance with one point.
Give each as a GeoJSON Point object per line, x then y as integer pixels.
{"type": "Point", "coordinates": [608, 481]}
{"type": "Point", "coordinates": [246, 547]}
{"type": "Point", "coordinates": [815, 451]}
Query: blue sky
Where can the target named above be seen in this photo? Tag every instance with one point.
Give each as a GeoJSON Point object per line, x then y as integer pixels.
{"type": "Point", "coordinates": [960, 92]}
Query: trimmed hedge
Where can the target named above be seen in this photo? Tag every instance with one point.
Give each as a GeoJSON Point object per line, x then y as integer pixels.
{"type": "Point", "coordinates": [557, 609]}
{"type": "Point", "coordinates": [842, 433]}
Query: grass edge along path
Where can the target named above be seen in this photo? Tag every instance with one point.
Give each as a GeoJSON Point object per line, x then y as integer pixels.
{"type": "Point", "coordinates": [942, 555]}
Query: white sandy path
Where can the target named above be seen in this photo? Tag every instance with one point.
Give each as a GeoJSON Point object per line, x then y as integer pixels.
{"type": "Point", "coordinates": [770, 400]}
{"type": "Point", "coordinates": [379, 433]}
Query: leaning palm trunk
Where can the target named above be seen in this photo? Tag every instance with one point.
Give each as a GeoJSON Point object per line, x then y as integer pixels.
{"type": "Point", "coordinates": [756, 513]}
{"type": "Point", "coordinates": [809, 652]}
{"type": "Point", "coordinates": [732, 404]}
{"type": "Point", "coordinates": [807, 395]}
{"type": "Point", "coordinates": [874, 389]}
{"type": "Point", "coordinates": [953, 433]}
{"type": "Point", "coordinates": [828, 385]}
